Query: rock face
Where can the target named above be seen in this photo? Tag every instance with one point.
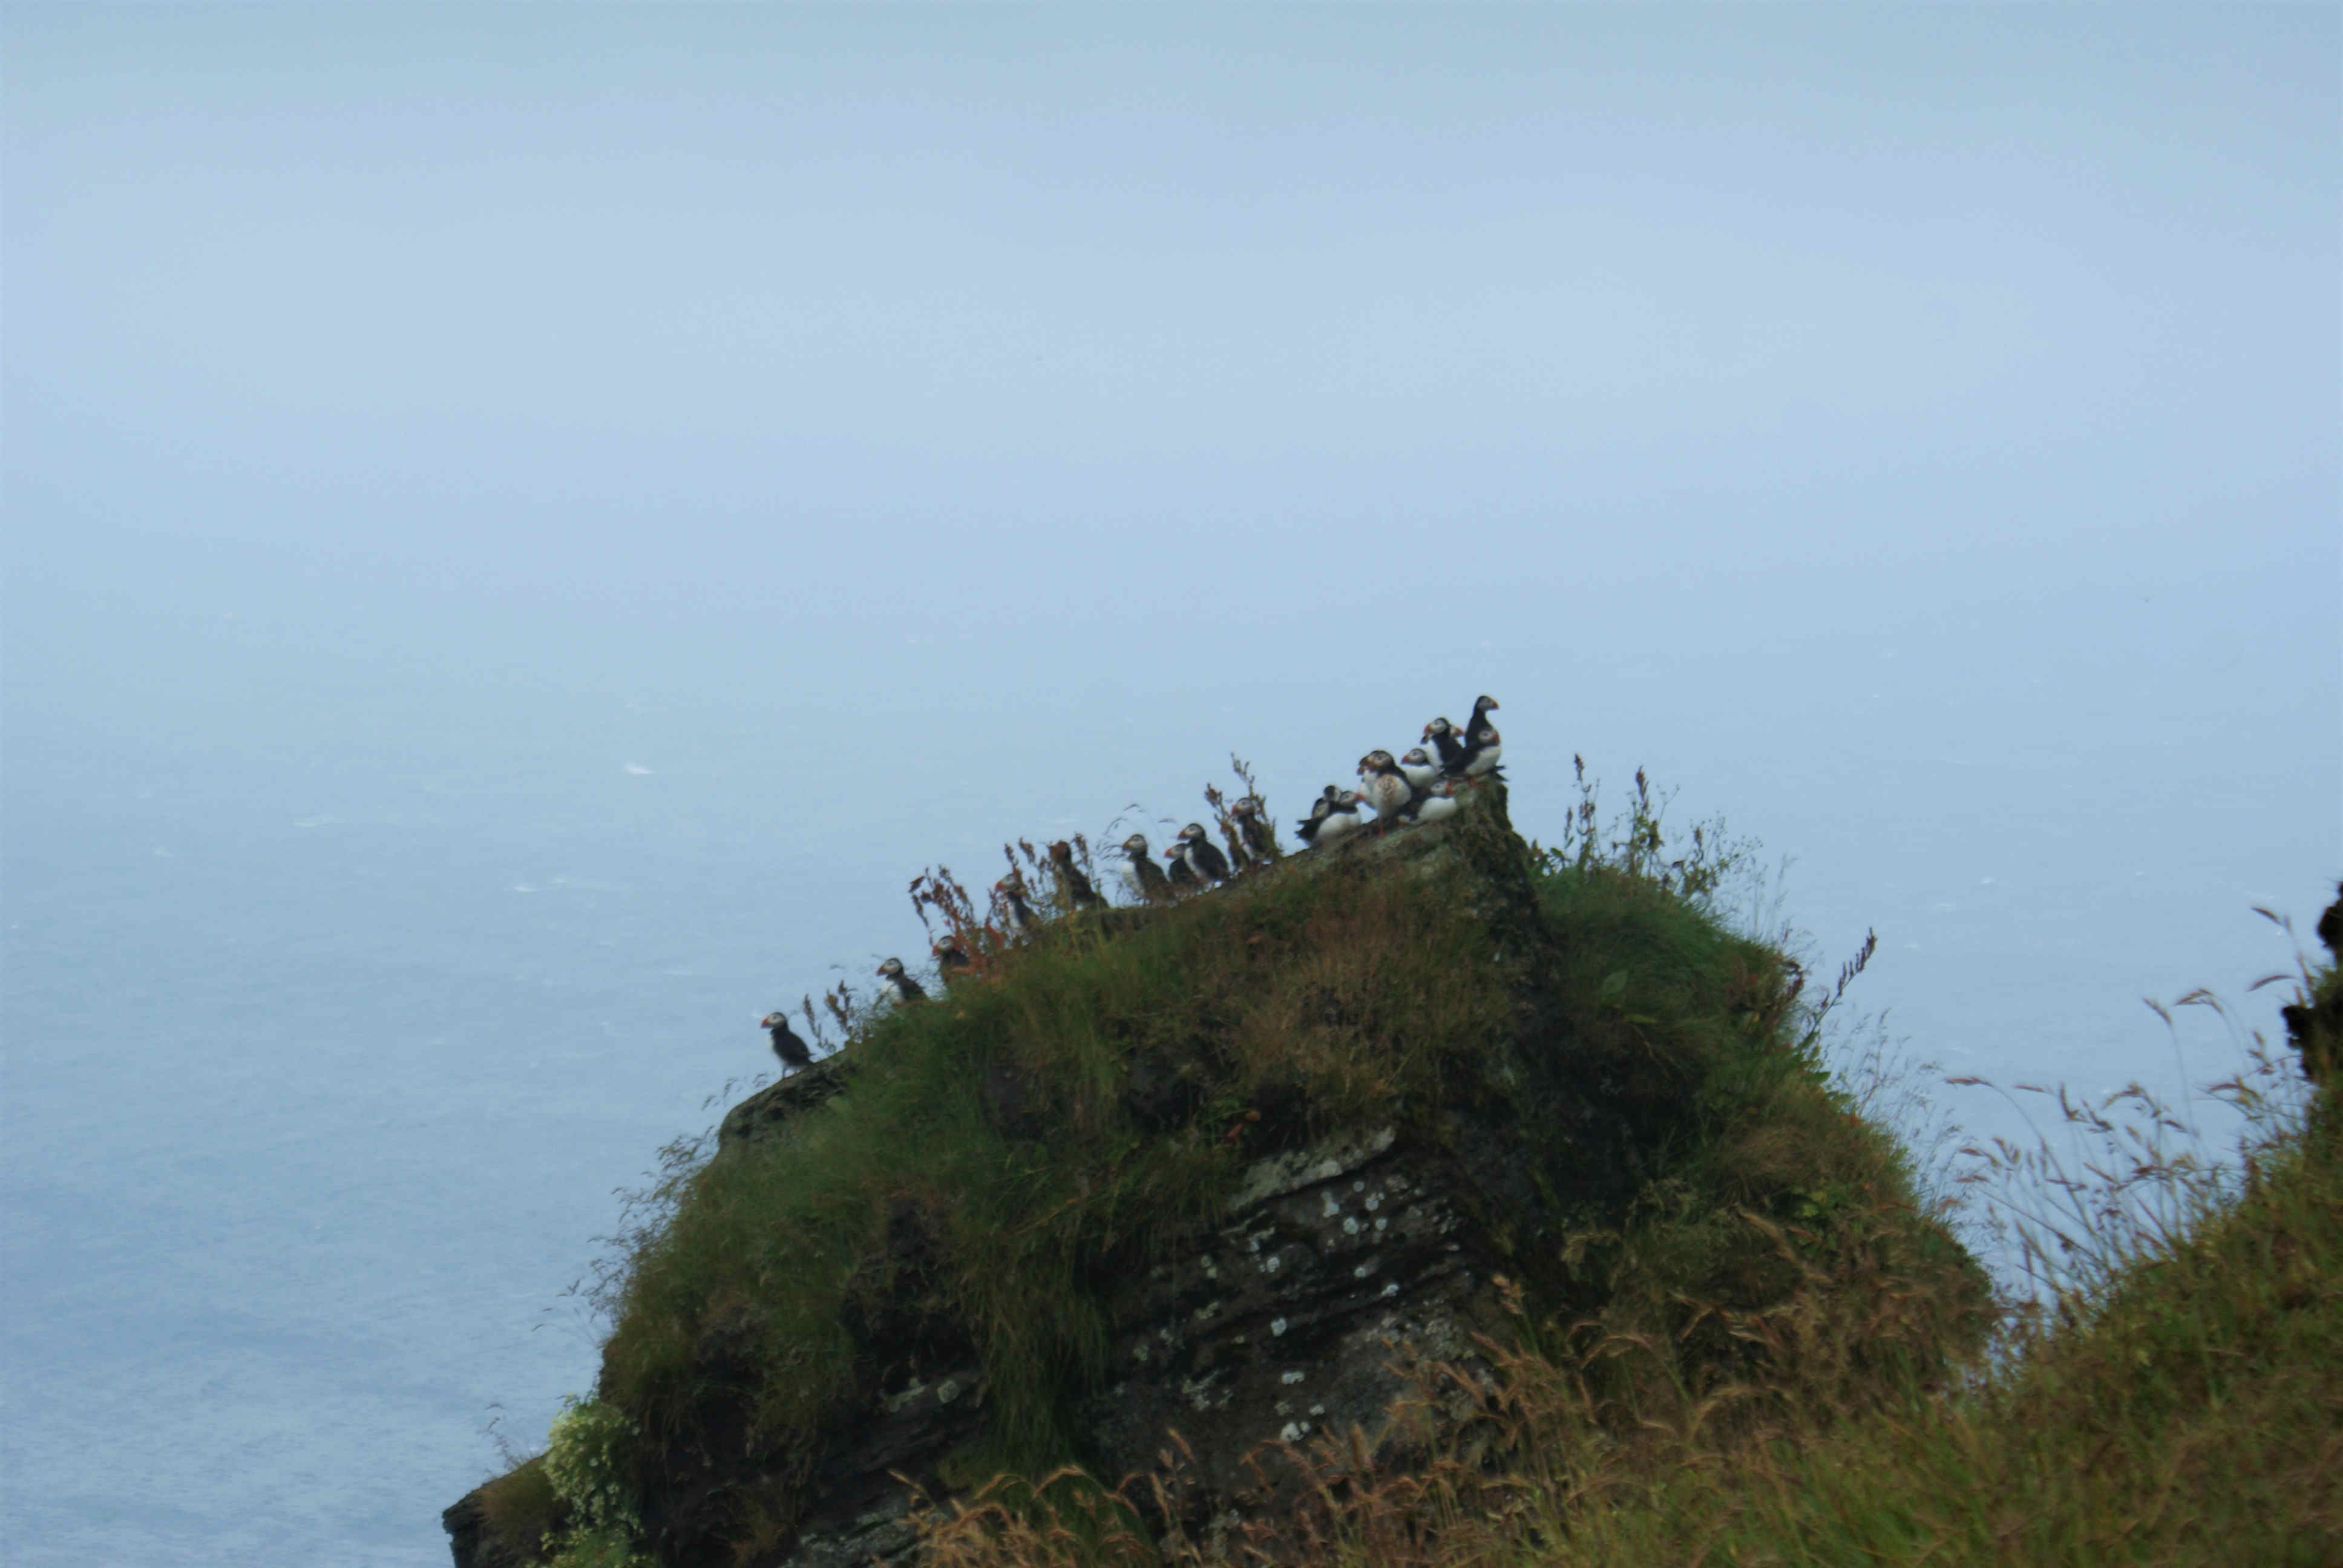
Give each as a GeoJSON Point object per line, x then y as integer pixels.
{"type": "Point", "coordinates": [1332, 1263]}
{"type": "Point", "coordinates": [764, 1113]}
{"type": "Point", "coordinates": [1335, 1262]}
{"type": "Point", "coordinates": [469, 1538]}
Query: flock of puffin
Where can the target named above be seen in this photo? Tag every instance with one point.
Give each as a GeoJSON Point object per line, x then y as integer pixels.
{"type": "Point", "coordinates": [1420, 787]}
{"type": "Point", "coordinates": [1417, 788]}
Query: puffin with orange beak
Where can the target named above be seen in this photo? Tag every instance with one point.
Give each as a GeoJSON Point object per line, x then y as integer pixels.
{"type": "Point", "coordinates": [1418, 767]}
{"type": "Point", "coordinates": [1387, 788]}
{"type": "Point", "coordinates": [1142, 875]}
{"type": "Point", "coordinates": [1204, 857]}
{"type": "Point", "coordinates": [1448, 743]}
{"type": "Point", "coordinates": [901, 986]}
{"type": "Point", "coordinates": [1334, 816]}
{"type": "Point", "coordinates": [1482, 744]}
{"type": "Point", "coordinates": [1436, 804]}
{"type": "Point", "coordinates": [794, 1052]}
{"type": "Point", "coordinates": [1253, 827]}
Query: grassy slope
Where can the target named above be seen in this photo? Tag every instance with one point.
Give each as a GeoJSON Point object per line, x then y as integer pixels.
{"type": "Point", "coordinates": [2193, 1415]}
{"type": "Point", "coordinates": [2187, 1410]}
{"type": "Point", "coordinates": [1325, 1000]}
{"type": "Point", "coordinates": [991, 1155]}
{"type": "Point", "coordinates": [2191, 1411]}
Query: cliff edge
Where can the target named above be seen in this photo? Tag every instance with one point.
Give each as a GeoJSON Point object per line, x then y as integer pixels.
{"type": "Point", "coordinates": [1182, 1186]}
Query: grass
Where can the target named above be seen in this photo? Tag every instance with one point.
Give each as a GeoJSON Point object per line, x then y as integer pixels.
{"type": "Point", "coordinates": [997, 1151]}
{"type": "Point", "coordinates": [2170, 1392]}
{"type": "Point", "coordinates": [1722, 1225]}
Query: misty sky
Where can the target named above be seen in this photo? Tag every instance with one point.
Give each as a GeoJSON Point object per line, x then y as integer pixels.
{"type": "Point", "coordinates": [1135, 359]}
{"type": "Point", "coordinates": [977, 419]}
{"type": "Point", "coordinates": [729, 458]}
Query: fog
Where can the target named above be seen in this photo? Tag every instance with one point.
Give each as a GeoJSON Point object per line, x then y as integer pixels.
{"type": "Point", "coordinates": [526, 528]}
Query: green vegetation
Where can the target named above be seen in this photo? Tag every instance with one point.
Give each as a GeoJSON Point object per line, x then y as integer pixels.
{"type": "Point", "coordinates": [1038, 1136]}
{"type": "Point", "coordinates": [521, 1509]}
{"type": "Point", "coordinates": [2177, 1396]}
{"type": "Point", "coordinates": [993, 1155]}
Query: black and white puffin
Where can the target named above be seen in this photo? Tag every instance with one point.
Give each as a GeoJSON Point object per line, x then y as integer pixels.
{"type": "Point", "coordinates": [1387, 788]}
{"type": "Point", "coordinates": [1181, 875]}
{"type": "Point", "coordinates": [1487, 746]}
{"type": "Point", "coordinates": [1436, 804]}
{"type": "Point", "coordinates": [899, 985]}
{"type": "Point", "coordinates": [1253, 827]}
{"type": "Point", "coordinates": [1241, 860]}
{"type": "Point", "coordinates": [1418, 767]}
{"type": "Point", "coordinates": [1204, 857]}
{"type": "Point", "coordinates": [794, 1052]}
{"type": "Point", "coordinates": [1011, 890]}
{"type": "Point", "coordinates": [1342, 818]}
{"type": "Point", "coordinates": [1074, 889]}
{"type": "Point", "coordinates": [1482, 744]}
{"type": "Point", "coordinates": [1308, 827]}
{"type": "Point", "coordinates": [952, 962]}
{"type": "Point", "coordinates": [1142, 875]}
{"type": "Point", "coordinates": [1448, 745]}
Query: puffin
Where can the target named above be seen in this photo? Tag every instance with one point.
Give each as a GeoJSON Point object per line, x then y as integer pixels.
{"type": "Point", "coordinates": [1342, 819]}
{"type": "Point", "coordinates": [1483, 744]}
{"type": "Point", "coordinates": [1418, 767]}
{"type": "Point", "coordinates": [1073, 888]}
{"type": "Point", "coordinates": [1307, 828]}
{"type": "Point", "coordinates": [1240, 857]}
{"type": "Point", "coordinates": [794, 1052]}
{"type": "Point", "coordinates": [899, 985]}
{"type": "Point", "coordinates": [1179, 873]}
{"type": "Point", "coordinates": [1254, 828]}
{"type": "Point", "coordinates": [1142, 875]}
{"type": "Point", "coordinates": [1204, 856]}
{"type": "Point", "coordinates": [1436, 804]}
{"type": "Point", "coordinates": [1448, 743]}
{"type": "Point", "coordinates": [952, 962]}
{"type": "Point", "coordinates": [1011, 889]}
{"type": "Point", "coordinates": [1387, 788]}
{"type": "Point", "coordinates": [1486, 746]}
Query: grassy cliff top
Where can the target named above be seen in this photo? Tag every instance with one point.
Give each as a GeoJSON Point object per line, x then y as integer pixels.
{"type": "Point", "coordinates": [2178, 1398]}
{"type": "Point", "coordinates": [1006, 1155]}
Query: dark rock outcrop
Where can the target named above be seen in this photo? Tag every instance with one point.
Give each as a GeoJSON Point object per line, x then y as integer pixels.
{"type": "Point", "coordinates": [764, 1113]}
{"type": "Point", "coordinates": [475, 1546]}
{"type": "Point", "coordinates": [1336, 1263]}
